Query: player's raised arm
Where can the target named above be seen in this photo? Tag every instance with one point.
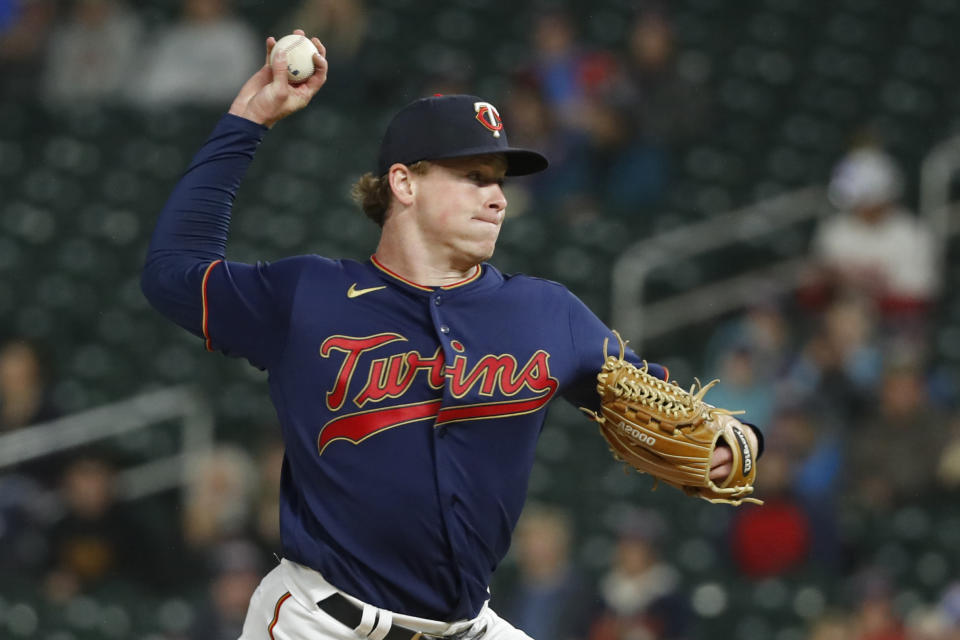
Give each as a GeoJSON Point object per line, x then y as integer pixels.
{"type": "Point", "coordinates": [188, 246]}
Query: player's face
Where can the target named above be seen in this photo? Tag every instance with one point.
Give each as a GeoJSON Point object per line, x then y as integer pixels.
{"type": "Point", "coordinates": [461, 205]}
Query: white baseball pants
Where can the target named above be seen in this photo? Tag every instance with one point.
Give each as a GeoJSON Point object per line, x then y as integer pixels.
{"type": "Point", "coordinates": [284, 607]}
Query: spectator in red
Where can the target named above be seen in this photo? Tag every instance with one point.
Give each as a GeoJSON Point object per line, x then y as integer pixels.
{"type": "Point", "coordinates": [773, 539]}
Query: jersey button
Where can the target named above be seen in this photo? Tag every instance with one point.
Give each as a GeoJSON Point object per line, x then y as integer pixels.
{"type": "Point", "coordinates": [438, 300]}
{"type": "Point", "coordinates": [444, 329]}
{"type": "Point", "coordinates": [441, 431]}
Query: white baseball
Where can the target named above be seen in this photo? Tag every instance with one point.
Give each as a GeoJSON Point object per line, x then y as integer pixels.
{"type": "Point", "coordinates": [300, 52]}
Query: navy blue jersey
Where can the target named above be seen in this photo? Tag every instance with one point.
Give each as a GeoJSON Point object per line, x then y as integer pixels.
{"type": "Point", "coordinates": [410, 413]}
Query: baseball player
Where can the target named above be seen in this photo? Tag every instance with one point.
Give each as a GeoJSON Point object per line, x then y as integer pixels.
{"type": "Point", "coordinates": [410, 388]}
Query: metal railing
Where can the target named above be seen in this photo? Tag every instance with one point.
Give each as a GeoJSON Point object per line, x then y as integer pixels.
{"type": "Point", "coordinates": [137, 413]}
{"type": "Point", "coordinates": [640, 320]}
{"type": "Point", "coordinates": [937, 172]}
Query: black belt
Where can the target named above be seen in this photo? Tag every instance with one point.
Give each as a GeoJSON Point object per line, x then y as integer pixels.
{"type": "Point", "coordinates": [351, 615]}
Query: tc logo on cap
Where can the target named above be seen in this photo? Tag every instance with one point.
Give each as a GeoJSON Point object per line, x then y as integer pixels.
{"type": "Point", "coordinates": [488, 116]}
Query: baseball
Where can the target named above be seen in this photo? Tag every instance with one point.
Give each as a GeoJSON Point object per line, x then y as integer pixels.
{"type": "Point", "coordinates": [300, 52]}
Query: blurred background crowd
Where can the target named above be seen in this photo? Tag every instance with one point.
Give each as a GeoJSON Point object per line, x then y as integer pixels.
{"type": "Point", "coordinates": [659, 119]}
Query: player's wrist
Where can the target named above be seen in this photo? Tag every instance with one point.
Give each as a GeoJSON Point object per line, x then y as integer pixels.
{"type": "Point", "coordinates": [253, 115]}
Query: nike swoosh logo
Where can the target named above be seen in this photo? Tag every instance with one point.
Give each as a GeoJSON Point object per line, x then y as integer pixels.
{"type": "Point", "coordinates": [353, 292]}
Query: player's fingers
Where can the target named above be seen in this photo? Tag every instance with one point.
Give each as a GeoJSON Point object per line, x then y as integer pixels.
{"type": "Point", "coordinates": [720, 473]}
{"type": "Point", "coordinates": [319, 45]}
{"type": "Point", "coordinates": [721, 463]}
{"type": "Point", "coordinates": [319, 73]}
{"type": "Point", "coordinates": [279, 68]}
{"type": "Point", "coordinates": [299, 32]}
{"type": "Point", "coordinates": [271, 43]}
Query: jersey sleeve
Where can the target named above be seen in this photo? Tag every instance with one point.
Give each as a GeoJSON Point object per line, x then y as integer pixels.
{"type": "Point", "coordinates": [588, 334]}
{"type": "Point", "coordinates": [185, 275]}
{"type": "Point", "coordinates": [246, 308]}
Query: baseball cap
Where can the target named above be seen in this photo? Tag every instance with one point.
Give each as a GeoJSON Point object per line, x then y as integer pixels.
{"type": "Point", "coordinates": [452, 126]}
{"type": "Point", "coordinates": [865, 177]}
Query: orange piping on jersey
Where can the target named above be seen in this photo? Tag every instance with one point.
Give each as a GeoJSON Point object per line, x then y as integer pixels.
{"type": "Point", "coordinates": [473, 276]}
{"type": "Point", "coordinates": [276, 613]}
{"type": "Point", "coordinates": [377, 264]}
{"type": "Point", "coordinates": [203, 293]}
{"type": "Point", "coordinates": [468, 280]}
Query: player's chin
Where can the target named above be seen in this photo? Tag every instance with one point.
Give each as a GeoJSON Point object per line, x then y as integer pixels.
{"type": "Point", "coordinates": [481, 251]}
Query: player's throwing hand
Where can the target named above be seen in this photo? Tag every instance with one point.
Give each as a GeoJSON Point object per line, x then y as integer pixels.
{"type": "Point", "coordinates": [268, 96]}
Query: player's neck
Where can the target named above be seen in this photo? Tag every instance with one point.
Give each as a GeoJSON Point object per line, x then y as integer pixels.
{"type": "Point", "coordinates": [424, 267]}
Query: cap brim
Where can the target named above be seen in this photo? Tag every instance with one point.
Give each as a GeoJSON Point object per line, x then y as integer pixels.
{"type": "Point", "coordinates": [520, 162]}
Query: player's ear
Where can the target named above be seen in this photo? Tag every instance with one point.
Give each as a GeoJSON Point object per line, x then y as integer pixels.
{"type": "Point", "coordinates": [402, 183]}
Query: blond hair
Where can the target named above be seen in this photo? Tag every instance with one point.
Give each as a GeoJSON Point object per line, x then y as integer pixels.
{"type": "Point", "coordinates": [373, 193]}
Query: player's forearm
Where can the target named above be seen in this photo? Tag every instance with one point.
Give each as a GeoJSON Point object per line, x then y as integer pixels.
{"type": "Point", "coordinates": [196, 217]}
{"type": "Point", "coordinates": [192, 229]}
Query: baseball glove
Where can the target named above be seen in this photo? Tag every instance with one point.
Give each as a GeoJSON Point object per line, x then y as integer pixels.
{"type": "Point", "coordinates": [657, 427]}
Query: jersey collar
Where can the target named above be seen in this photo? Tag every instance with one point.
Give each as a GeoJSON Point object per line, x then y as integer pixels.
{"type": "Point", "coordinates": [473, 277]}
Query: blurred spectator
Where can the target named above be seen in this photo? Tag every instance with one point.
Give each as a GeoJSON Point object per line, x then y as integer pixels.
{"type": "Point", "coordinates": [640, 593]}
{"type": "Point", "coordinates": [773, 539]}
{"type": "Point", "coordinates": [874, 245]}
{"type": "Point", "coordinates": [220, 498]}
{"type": "Point", "coordinates": [341, 26]}
{"type": "Point", "coordinates": [92, 55]}
{"type": "Point", "coordinates": [25, 399]}
{"type": "Point", "coordinates": [929, 623]}
{"type": "Point", "coordinates": [831, 626]}
{"type": "Point", "coordinates": [902, 420]}
{"type": "Point", "coordinates": [948, 466]}
{"type": "Point", "coordinates": [26, 498]}
{"type": "Point", "coordinates": [743, 387]}
{"type": "Point", "coordinates": [563, 69]}
{"type": "Point", "coordinates": [817, 454]}
{"type": "Point", "coordinates": [672, 103]}
{"type": "Point", "coordinates": [764, 329]}
{"type": "Point", "coordinates": [95, 541]}
{"type": "Point", "coordinates": [7, 14]}
{"type": "Point", "coordinates": [949, 606]}
{"type": "Point", "coordinates": [26, 509]}
{"type": "Point", "coordinates": [558, 190]}
{"type": "Point", "coordinates": [626, 175]}
{"type": "Point", "coordinates": [24, 393]}
{"type": "Point", "coordinates": [550, 599]}
{"type": "Point", "coordinates": [567, 76]}
{"type": "Point", "coordinates": [874, 616]}
{"type": "Point", "coordinates": [267, 517]}
{"type": "Point", "coordinates": [838, 367]}
{"type": "Point", "coordinates": [201, 59]}
{"type": "Point", "coordinates": [652, 105]}
{"type": "Point", "coordinates": [23, 39]}
{"type": "Point", "coordinates": [237, 567]}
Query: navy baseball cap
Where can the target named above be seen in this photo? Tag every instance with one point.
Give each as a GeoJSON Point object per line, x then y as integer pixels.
{"type": "Point", "coordinates": [452, 126]}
